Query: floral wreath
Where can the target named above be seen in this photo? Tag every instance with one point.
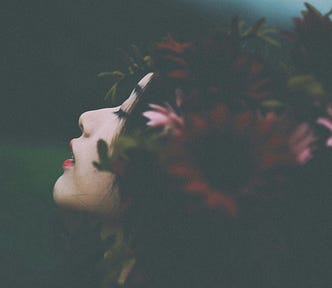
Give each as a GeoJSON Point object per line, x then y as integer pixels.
{"type": "Point", "coordinates": [222, 123]}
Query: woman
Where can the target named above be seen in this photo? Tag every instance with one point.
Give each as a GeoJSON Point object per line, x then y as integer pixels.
{"type": "Point", "coordinates": [83, 186]}
{"type": "Point", "coordinates": [212, 189]}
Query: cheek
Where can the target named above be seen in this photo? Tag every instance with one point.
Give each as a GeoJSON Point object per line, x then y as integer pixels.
{"type": "Point", "coordinates": [110, 131]}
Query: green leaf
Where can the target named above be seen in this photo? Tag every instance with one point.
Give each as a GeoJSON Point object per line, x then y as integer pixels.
{"type": "Point", "coordinates": [272, 104]}
{"type": "Point", "coordinates": [118, 75]}
{"type": "Point", "coordinates": [270, 40]}
{"type": "Point", "coordinates": [112, 92]}
{"type": "Point", "coordinates": [104, 74]}
{"type": "Point", "coordinates": [125, 143]}
{"type": "Point", "coordinates": [253, 30]}
{"type": "Point", "coordinates": [267, 31]}
{"type": "Point", "coordinates": [128, 266]}
{"type": "Point", "coordinates": [312, 9]}
{"type": "Point", "coordinates": [133, 68]}
{"type": "Point", "coordinates": [306, 83]}
{"type": "Point", "coordinates": [149, 61]}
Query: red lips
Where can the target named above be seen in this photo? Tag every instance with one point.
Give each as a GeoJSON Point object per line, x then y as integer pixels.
{"type": "Point", "coordinates": [68, 164]}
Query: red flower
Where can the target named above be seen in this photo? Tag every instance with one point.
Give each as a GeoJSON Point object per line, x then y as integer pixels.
{"type": "Point", "coordinates": [171, 45]}
{"type": "Point", "coordinates": [221, 156]}
{"type": "Point", "coordinates": [223, 73]}
{"type": "Point", "coordinates": [171, 58]}
{"type": "Point", "coordinates": [213, 71]}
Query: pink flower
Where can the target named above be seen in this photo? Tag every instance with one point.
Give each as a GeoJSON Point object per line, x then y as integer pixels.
{"type": "Point", "coordinates": [327, 123]}
{"type": "Point", "coordinates": [301, 143]}
{"type": "Point", "coordinates": [164, 117]}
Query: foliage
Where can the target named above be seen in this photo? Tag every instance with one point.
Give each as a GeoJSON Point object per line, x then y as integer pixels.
{"type": "Point", "coordinates": [138, 65]}
{"type": "Point", "coordinates": [223, 144]}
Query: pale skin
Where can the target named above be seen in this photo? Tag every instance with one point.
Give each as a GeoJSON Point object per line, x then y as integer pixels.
{"type": "Point", "coordinates": [82, 186]}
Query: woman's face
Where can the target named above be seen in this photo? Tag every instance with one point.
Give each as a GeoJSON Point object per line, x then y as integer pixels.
{"type": "Point", "coordinates": [82, 186]}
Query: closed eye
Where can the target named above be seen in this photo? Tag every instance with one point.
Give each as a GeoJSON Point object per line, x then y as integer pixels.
{"type": "Point", "coordinates": [121, 114]}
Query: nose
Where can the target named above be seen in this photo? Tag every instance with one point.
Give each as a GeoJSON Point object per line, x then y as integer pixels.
{"type": "Point", "coordinates": [91, 121]}
{"type": "Point", "coordinates": [86, 121]}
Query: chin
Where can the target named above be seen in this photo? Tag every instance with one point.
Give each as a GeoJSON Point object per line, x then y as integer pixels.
{"type": "Point", "coordinates": [60, 192]}
{"type": "Point", "coordinates": [66, 195]}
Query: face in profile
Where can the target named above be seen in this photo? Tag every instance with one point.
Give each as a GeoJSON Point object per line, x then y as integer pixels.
{"type": "Point", "coordinates": [82, 186]}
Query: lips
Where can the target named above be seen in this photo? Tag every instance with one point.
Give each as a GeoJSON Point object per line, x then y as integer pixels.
{"type": "Point", "coordinates": [69, 163]}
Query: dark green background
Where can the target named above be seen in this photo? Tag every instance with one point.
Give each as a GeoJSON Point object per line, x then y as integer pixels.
{"type": "Point", "coordinates": [51, 52]}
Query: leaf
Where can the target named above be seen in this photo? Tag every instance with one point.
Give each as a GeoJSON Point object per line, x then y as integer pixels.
{"type": "Point", "coordinates": [149, 61]}
{"type": "Point", "coordinates": [102, 148]}
{"type": "Point", "coordinates": [112, 92]}
{"type": "Point", "coordinates": [311, 8]}
{"type": "Point", "coordinates": [104, 74]}
{"type": "Point", "coordinates": [253, 30]}
{"type": "Point", "coordinates": [125, 143]}
{"type": "Point", "coordinates": [118, 75]}
{"type": "Point", "coordinates": [306, 83]}
{"type": "Point", "coordinates": [270, 40]}
{"type": "Point", "coordinates": [128, 266]}
{"type": "Point", "coordinates": [267, 31]}
{"type": "Point", "coordinates": [328, 14]}
{"type": "Point", "coordinates": [104, 160]}
{"type": "Point", "coordinates": [133, 68]}
{"type": "Point", "coordinates": [272, 104]}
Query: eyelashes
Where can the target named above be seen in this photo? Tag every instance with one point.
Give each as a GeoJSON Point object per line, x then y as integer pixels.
{"type": "Point", "coordinates": [121, 114]}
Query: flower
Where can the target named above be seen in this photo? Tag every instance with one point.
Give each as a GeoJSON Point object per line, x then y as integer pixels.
{"type": "Point", "coordinates": [214, 70]}
{"type": "Point", "coordinates": [171, 58]}
{"type": "Point", "coordinates": [224, 73]}
{"type": "Point", "coordinates": [171, 45]}
{"type": "Point", "coordinates": [221, 155]}
{"type": "Point", "coordinates": [164, 117]}
{"type": "Point", "coordinates": [302, 143]}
